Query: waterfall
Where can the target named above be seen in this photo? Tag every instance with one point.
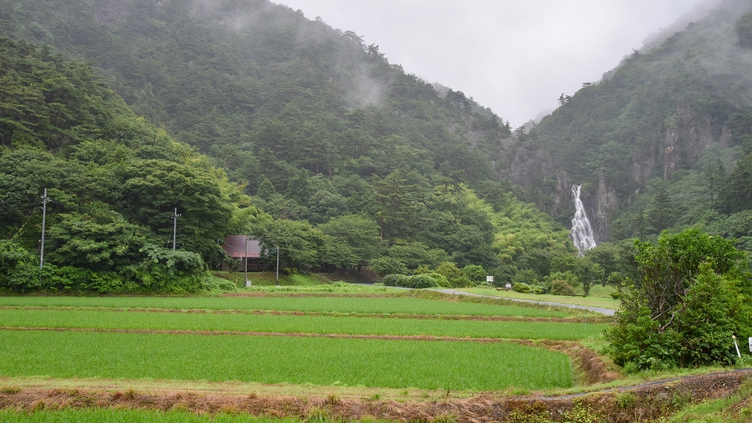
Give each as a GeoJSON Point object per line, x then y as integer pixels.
{"type": "Point", "coordinates": [582, 232]}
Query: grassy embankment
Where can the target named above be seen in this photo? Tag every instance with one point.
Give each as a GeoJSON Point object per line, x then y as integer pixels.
{"type": "Point", "coordinates": [131, 416]}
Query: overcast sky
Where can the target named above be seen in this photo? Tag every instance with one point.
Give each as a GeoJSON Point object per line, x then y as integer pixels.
{"type": "Point", "coordinates": [515, 56]}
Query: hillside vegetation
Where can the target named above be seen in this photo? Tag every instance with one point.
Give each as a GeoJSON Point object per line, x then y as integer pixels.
{"type": "Point", "coordinates": [349, 160]}
{"type": "Point", "coordinates": [112, 178]}
{"type": "Point", "coordinates": [664, 140]}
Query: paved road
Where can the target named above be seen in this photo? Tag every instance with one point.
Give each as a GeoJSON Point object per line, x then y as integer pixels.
{"type": "Point", "coordinates": [605, 311]}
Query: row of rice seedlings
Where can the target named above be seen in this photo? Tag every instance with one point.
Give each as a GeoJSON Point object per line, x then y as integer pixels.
{"type": "Point", "coordinates": [298, 324]}
{"type": "Point", "coordinates": [339, 304]}
{"type": "Point", "coordinates": [296, 360]}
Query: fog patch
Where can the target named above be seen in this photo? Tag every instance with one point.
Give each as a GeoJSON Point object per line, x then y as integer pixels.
{"type": "Point", "coordinates": [365, 90]}
{"type": "Point", "coordinates": [701, 11]}
{"type": "Point", "coordinates": [706, 39]}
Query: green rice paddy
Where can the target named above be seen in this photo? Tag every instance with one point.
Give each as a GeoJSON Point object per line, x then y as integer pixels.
{"type": "Point", "coordinates": [291, 360]}
{"type": "Point", "coordinates": [312, 303]}
{"type": "Point", "coordinates": [297, 324]}
{"type": "Point", "coordinates": [290, 339]}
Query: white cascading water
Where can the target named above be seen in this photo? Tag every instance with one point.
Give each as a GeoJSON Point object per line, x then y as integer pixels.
{"type": "Point", "coordinates": [582, 232]}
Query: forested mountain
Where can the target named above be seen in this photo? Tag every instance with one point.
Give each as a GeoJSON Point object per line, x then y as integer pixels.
{"type": "Point", "coordinates": [111, 179]}
{"type": "Point", "coordinates": [312, 141]}
{"type": "Point", "coordinates": [664, 140]}
{"type": "Point", "coordinates": [351, 160]}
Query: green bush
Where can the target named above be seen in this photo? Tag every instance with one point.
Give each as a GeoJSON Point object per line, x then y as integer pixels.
{"type": "Point", "coordinates": [394, 280]}
{"type": "Point", "coordinates": [440, 279]}
{"type": "Point", "coordinates": [461, 282]}
{"type": "Point", "coordinates": [561, 287]}
{"type": "Point", "coordinates": [449, 270]}
{"type": "Point", "coordinates": [213, 283]}
{"type": "Point", "coordinates": [476, 274]}
{"type": "Point", "coordinates": [522, 287]}
{"type": "Point", "coordinates": [421, 281]}
{"type": "Point", "coordinates": [415, 281]}
{"type": "Point", "coordinates": [693, 294]}
{"type": "Point", "coordinates": [19, 268]}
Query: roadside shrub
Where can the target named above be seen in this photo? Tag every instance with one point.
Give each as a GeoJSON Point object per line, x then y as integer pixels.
{"type": "Point", "coordinates": [568, 276]}
{"type": "Point", "coordinates": [212, 283]}
{"type": "Point", "coordinates": [440, 279]}
{"type": "Point", "coordinates": [461, 282]}
{"type": "Point", "coordinates": [421, 281]}
{"type": "Point", "coordinates": [476, 274]}
{"type": "Point", "coordinates": [394, 280]}
{"type": "Point", "coordinates": [449, 270]}
{"type": "Point", "coordinates": [415, 281]}
{"type": "Point", "coordinates": [18, 267]}
{"type": "Point", "coordinates": [561, 287]}
{"type": "Point", "coordinates": [522, 287]}
{"type": "Point", "coordinates": [692, 295]}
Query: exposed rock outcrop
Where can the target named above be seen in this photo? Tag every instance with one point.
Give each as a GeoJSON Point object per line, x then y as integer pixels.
{"type": "Point", "coordinates": [605, 203]}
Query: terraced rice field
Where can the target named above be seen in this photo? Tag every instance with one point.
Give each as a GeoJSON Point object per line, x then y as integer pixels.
{"type": "Point", "coordinates": [347, 304]}
{"type": "Point", "coordinates": [358, 343]}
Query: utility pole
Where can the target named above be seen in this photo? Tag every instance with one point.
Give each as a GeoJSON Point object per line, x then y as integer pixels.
{"type": "Point", "coordinates": [277, 265]}
{"type": "Point", "coordinates": [175, 216]}
{"type": "Point", "coordinates": [44, 223]}
{"type": "Point", "coordinates": [245, 259]}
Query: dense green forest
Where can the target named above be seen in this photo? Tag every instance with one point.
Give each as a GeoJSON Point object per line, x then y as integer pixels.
{"type": "Point", "coordinates": [348, 160]}
{"type": "Point", "coordinates": [112, 178]}
{"type": "Point", "coordinates": [249, 118]}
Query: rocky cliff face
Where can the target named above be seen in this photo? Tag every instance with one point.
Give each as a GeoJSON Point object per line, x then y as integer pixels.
{"type": "Point", "coordinates": [678, 143]}
{"type": "Point", "coordinates": [535, 170]}
{"type": "Point", "coordinates": [605, 203]}
{"type": "Point", "coordinates": [687, 134]}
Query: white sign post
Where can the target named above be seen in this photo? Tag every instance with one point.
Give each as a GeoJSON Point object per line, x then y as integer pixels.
{"type": "Point", "coordinates": [489, 279]}
{"type": "Point", "coordinates": [750, 344]}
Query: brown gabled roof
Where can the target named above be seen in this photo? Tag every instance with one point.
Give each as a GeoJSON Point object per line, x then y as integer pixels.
{"type": "Point", "coordinates": [234, 248]}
